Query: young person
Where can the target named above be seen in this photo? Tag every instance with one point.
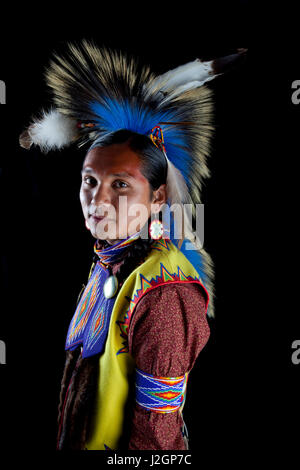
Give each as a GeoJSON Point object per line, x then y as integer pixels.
{"type": "Point", "coordinates": [140, 323]}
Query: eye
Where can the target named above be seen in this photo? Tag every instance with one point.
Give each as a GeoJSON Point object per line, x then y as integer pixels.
{"type": "Point", "coordinates": [120, 184]}
{"type": "Point", "coordinates": [89, 180]}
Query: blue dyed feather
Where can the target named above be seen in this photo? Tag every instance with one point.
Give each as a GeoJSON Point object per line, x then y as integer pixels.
{"type": "Point", "coordinates": [115, 115]}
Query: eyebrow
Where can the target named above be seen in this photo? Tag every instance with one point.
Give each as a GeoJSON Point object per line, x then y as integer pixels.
{"type": "Point", "coordinates": [87, 170]}
{"type": "Point", "coordinates": [123, 173]}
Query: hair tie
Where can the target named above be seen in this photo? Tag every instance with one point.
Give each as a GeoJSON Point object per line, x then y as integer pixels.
{"type": "Point", "coordinates": [157, 138]}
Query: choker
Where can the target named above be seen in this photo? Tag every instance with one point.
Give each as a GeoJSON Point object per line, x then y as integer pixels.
{"type": "Point", "coordinates": [114, 253]}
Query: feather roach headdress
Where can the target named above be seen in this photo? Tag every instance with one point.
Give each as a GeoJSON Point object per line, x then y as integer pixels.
{"type": "Point", "coordinates": [97, 92]}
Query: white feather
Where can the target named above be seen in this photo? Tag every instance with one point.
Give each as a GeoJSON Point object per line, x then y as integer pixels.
{"type": "Point", "coordinates": [178, 194]}
{"type": "Point", "coordinates": [185, 77]}
{"type": "Point", "coordinates": [182, 88]}
{"type": "Point", "coordinates": [53, 131]}
{"type": "Point", "coordinates": [177, 188]}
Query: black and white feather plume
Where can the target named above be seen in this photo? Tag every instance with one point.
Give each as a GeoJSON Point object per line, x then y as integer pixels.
{"type": "Point", "coordinates": [98, 91]}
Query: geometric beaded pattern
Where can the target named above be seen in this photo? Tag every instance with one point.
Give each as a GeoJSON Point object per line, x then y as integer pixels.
{"type": "Point", "coordinates": [160, 394]}
{"type": "Point", "coordinates": [97, 326]}
{"type": "Point", "coordinates": [83, 310]}
{"type": "Point", "coordinates": [164, 277]}
{"type": "Point", "coordinates": [90, 323]}
{"type": "Point", "coordinates": [111, 254]}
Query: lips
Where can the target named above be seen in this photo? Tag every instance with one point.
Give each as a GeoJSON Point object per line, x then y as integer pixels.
{"type": "Point", "coordinates": [97, 218]}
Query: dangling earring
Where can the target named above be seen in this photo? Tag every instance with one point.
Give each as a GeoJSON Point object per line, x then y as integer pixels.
{"type": "Point", "coordinates": [156, 229]}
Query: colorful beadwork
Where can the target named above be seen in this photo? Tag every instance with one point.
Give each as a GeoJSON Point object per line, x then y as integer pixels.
{"type": "Point", "coordinates": [160, 394]}
{"type": "Point", "coordinates": [83, 310]}
{"type": "Point", "coordinates": [90, 323]}
{"type": "Point", "coordinates": [111, 254]}
{"type": "Point", "coordinates": [165, 277]}
{"type": "Point", "coordinates": [157, 138]}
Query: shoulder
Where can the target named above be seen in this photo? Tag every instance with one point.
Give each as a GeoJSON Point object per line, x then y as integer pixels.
{"type": "Point", "coordinates": [187, 295]}
{"type": "Point", "coordinates": [169, 328]}
{"type": "Point", "coordinates": [179, 307]}
{"type": "Point", "coordinates": [171, 304]}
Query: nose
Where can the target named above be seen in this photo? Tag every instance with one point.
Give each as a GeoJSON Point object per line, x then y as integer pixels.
{"type": "Point", "coordinates": [101, 195]}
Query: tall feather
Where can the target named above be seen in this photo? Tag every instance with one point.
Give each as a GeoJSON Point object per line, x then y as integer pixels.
{"type": "Point", "coordinates": [196, 73]}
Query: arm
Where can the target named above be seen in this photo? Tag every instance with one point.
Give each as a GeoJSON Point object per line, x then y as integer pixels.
{"type": "Point", "coordinates": [167, 332]}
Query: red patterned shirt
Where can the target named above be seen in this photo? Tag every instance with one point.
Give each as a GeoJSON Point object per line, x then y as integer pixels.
{"type": "Point", "coordinates": [167, 332]}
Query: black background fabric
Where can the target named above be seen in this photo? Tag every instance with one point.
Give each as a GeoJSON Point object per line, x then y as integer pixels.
{"type": "Point", "coordinates": [244, 380]}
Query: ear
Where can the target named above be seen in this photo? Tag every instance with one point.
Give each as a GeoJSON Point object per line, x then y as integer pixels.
{"type": "Point", "coordinates": [159, 197]}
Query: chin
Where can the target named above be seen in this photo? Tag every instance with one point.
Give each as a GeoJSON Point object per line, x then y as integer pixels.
{"type": "Point", "coordinates": [94, 234]}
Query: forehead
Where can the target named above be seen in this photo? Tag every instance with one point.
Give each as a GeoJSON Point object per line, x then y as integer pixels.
{"type": "Point", "coordinates": [116, 158]}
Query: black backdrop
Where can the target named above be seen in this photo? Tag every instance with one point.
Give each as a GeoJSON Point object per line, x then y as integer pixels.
{"type": "Point", "coordinates": [46, 251]}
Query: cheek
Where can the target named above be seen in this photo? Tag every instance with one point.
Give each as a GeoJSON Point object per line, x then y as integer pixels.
{"type": "Point", "coordinates": [141, 193]}
{"type": "Point", "coordinates": [140, 197]}
{"type": "Point", "coordinates": [144, 196]}
{"type": "Point", "coordinates": [84, 200]}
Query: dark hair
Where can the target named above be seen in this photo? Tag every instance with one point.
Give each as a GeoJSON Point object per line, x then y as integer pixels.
{"type": "Point", "coordinates": [154, 163]}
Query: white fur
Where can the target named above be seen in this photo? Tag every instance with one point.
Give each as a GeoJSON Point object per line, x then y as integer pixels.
{"type": "Point", "coordinates": [54, 131]}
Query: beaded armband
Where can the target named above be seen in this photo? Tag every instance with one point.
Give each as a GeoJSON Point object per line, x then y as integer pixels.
{"type": "Point", "coordinates": [160, 394]}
